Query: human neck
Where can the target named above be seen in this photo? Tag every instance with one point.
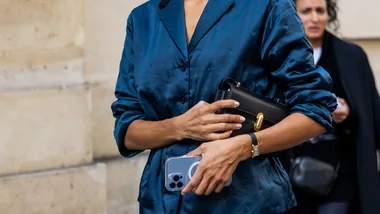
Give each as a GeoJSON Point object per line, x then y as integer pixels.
{"type": "Point", "coordinates": [316, 43]}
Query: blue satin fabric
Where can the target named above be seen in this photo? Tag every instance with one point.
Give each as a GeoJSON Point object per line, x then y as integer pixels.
{"type": "Point", "coordinates": [260, 43]}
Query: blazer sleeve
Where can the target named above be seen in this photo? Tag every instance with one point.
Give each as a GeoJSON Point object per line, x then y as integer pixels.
{"type": "Point", "coordinates": [289, 56]}
{"type": "Point", "coordinates": [126, 108]}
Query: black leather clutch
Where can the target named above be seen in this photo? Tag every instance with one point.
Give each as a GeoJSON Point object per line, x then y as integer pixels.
{"type": "Point", "coordinates": [260, 112]}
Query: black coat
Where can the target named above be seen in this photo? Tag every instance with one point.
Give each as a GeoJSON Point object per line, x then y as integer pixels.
{"type": "Point", "coordinates": [359, 86]}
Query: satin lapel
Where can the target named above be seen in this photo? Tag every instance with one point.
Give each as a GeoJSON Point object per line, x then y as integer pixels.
{"type": "Point", "coordinates": [213, 11]}
{"type": "Point", "coordinates": [173, 17]}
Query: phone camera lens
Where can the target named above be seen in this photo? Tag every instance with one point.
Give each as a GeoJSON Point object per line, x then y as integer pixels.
{"type": "Point", "coordinates": [176, 178]}
{"type": "Point", "coordinates": [172, 185]}
{"type": "Point", "coordinates": [179, 184]}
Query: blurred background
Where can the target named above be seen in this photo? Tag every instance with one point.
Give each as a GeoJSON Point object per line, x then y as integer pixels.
{"type": "Point", "coordinates": [58, 64]}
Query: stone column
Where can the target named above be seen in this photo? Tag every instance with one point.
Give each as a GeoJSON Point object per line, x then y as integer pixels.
{"type": "Point", "coordinates": [46, 150]}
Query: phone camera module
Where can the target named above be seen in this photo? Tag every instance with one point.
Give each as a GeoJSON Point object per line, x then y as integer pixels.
{"type": "Point", "coordinates": [172, 185]}
{"type": "Point", "coordinates": [179, 184]}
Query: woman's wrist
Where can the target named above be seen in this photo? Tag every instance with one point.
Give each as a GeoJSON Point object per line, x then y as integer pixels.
{"type": "Point", "coordinates": [245, 142]}
{"type": "Point", "coordinates": [176, 128]}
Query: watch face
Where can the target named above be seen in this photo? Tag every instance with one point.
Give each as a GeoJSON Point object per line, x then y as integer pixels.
{"type": "Point", "coordinates": [256, 151]}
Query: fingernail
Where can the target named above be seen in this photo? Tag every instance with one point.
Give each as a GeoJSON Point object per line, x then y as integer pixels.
{"type": "Point", "coordinates": [182, 193]}
{"type": "Point", "coordinates": [238, 126]}
{"type": "Point", "coordinates": [242, 119]}
{"type": "Point", "coordinates": [237, 103]}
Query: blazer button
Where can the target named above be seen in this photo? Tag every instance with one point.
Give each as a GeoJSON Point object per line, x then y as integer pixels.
{"type": "Point", "coordinates": [182, 100]}
{"type": "Point", "coordinates": [182, 67]}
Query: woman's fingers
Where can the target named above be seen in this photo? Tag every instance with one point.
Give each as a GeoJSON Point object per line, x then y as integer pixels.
{"type": "Point", "coordinates": [222, 104]}
{"type": "Point", "coordinates": [221, 127]}
{"type": "Point", "coordinates": [219, 136]}
{"type": "Point", "coordinates": [195, 180]}
{"type": "Point", "coordinates": [219, 161]}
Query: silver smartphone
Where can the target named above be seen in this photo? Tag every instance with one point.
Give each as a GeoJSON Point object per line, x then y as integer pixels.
{"type": "Point", "coordinates": [180, 170]}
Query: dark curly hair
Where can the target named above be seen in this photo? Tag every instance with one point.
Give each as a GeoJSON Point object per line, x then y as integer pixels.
{"type": "Point", "coordinates": [332, 11]}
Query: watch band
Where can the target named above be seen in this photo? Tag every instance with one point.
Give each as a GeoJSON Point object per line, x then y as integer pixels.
{"type": "Point", "coordinates": [255, 145]}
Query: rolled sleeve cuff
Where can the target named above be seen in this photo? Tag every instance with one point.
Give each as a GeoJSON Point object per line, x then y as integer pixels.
{"type": "Point", "coordinates": [121, 128]}
{"type": "Point", "coordinates": [319, 114]}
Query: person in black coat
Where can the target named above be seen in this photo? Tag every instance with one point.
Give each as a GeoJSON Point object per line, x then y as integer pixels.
{"type": "Point", "coordinates": [356, 120]}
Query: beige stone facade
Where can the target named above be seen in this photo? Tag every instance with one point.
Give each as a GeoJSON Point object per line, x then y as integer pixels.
{"type": "Point", "coordinates": [58, 64]}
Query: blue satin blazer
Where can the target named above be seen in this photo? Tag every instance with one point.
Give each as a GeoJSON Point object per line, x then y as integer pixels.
{"type": "Point", "coordinates": [260, 43]}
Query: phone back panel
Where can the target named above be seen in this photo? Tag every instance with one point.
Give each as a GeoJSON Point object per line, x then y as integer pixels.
{"type": "Point", "coordinates": [179, 170]}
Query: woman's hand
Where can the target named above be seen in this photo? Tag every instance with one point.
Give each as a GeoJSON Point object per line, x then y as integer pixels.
{"type": "Point", "coordinates": [342, 112]}
{"type": "Point", "coordinates": [219, 161]}
{"type": "Point", "coordinates": [202, 124]}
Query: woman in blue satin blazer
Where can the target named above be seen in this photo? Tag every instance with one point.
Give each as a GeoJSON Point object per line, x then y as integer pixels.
{"type": "Point", "coordinates": [165, 92]}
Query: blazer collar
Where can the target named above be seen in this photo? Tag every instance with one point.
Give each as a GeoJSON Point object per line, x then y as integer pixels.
{"type": "Point", "coordinates": [172, 15]}
{"type": "Point", "coordinates": [173, 18]}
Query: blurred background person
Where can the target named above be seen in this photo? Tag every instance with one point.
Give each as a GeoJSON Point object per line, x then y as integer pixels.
{"type": "Point", "coordinates": [356, 120]}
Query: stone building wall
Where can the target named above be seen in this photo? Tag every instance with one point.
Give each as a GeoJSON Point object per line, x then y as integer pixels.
{"type": "Point", "coordinates": [58, 65]}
